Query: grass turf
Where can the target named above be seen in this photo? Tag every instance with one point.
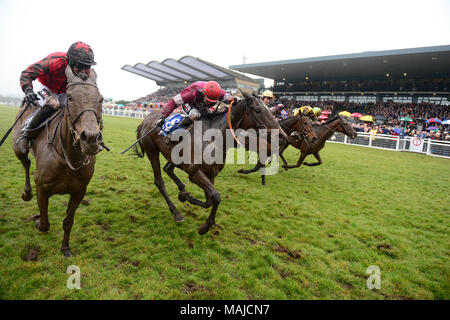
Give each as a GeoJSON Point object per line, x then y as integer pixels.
{"type": "Point", "coordinates": [311, 233]}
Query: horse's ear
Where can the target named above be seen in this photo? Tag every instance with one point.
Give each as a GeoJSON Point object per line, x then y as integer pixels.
{"type": "Point", "coordinates": [245, 94]}
{"type": "Point", "coordinates": [69, 74]}
{"type": "Point", "coordinates": [93, 75]}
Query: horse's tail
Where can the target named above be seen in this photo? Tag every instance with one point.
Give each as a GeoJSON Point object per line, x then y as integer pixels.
{"type": "Point", "coordinates": [138, 150]}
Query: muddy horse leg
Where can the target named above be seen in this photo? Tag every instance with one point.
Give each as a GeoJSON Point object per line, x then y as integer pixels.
{"type": "Point", "coordinates": [159, 182]}
{"type": "Point", "coordinates": [27, 193]}
{"type": "Point", "coordinates": [74, 202]}
{"type": "Point", "coordinates": [41, 220]}
{"type": "Point", "coordinates": [256, 168]}
{"type": "Point", "coordinates": [183, 195]}
{"type": "Point", "coordinates": [285, 164]}
{"type": "Point", "coordinates": [212, 196]}
{"type": "Point", "coordinates": [299, 162]}
{"type": "Point", "coordinates": [318, 163]}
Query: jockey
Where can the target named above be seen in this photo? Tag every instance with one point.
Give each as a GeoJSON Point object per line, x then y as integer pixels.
{"type": "Point", "coordinates": [200, 96]}
{"type": "Point", "coordinates": [312, 113]}
{"type": "Point", "coordinates": [45, 78]}
{"type": "Point", "coordinates": [267, 96]}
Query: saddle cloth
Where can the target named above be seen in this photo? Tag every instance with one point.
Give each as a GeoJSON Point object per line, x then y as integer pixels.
{"type": "Point", "coordinates": [171, 123]}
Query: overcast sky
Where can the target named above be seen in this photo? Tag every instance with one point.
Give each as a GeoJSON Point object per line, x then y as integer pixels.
{"type": "Point", "coordinates": [222, 32]}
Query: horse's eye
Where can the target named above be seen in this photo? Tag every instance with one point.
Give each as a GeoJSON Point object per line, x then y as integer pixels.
{"type": "Point", "coordinates": [69, 97]}
{"type": "Point", "coordinates": [258, 110]}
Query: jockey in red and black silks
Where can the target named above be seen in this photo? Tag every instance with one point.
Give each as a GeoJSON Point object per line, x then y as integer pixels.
{"type": "Point", "coordinates": [47, 77]}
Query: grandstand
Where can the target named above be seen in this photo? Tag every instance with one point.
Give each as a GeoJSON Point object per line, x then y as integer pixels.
{"type": "Point", "coordinates": [177, 74]}
{"type": "Point", "coordinates": [405, 76]}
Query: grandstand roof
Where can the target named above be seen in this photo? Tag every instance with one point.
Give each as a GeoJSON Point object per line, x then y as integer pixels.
{"type": "Point", "coordinates": [422, 62]}
{"type": "Point", "coordinates": [187, 69]}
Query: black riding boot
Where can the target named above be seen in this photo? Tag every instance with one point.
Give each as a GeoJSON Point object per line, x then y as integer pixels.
{"type": "Point", "coordinates": [185, 122]}
{"type": "Point", "coordinates": [36, 119]}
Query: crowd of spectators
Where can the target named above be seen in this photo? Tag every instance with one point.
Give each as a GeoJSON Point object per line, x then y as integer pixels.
{"type": "Point", "coordinates": [392, 112]}
{"type": "Point", "coordinates": [390, 85]}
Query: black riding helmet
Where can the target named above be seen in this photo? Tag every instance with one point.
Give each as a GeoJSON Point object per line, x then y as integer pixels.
{"type": "Point", "coordinates": [80, 53]}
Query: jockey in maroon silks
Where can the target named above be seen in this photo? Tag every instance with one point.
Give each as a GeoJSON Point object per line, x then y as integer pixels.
{"type": "Point", "coordinates": [47, 78]}
{"type": "Point", "coordinates": [200, 96]}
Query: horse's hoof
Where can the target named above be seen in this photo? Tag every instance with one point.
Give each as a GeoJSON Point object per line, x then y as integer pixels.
{"type": "Point", "coordinates": [204, 228]}
{"type": "Point", "coordinates": [178, 218]}
{"type": "Point", "coordinates": [37, 224]}
{"type": "Point", "coordinates": [184, 196]}
{"type": "Point", "coordinates": [241, 171]}
{"type": "Point", "coordinates": [285, 167]}
{"type": "Point", "coordinates": [66, 252]}
{"type": "Point", "coordinates": [27, 196]}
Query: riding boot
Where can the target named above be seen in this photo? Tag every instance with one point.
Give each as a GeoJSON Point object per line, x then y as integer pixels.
{"type": "Point", "coordinates": [35, 120]}
{"type": "Point", "coordinates": [185, 122]}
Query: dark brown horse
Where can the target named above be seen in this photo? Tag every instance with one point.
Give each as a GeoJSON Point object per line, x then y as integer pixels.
{"type": "Point", "coordinates": [65, 151]}
{"type": "Point", "coordinates": [323, 132]}
{"type": "Point", "coordinates": [249, 113]}
{"type": "Point", "coordinates": [300, 125]}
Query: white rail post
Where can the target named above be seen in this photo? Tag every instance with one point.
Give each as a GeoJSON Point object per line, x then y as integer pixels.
{"type": "Point", "coordinates": [345, 139]}
{"type": "Point", "coordinates": [397, 146]}
{"type": "Point", "coordinates": [370, 140]}
{"type": "Point", "coordinates": [429, 147]}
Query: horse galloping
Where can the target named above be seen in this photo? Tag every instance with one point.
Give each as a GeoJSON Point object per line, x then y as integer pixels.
{"type": "Point", "coordinates": [249, 113]}
{"type": "Point", "coordinates": [65, 155]}
{"type": "Point", "coordinates": [296, 127]}
{"type": "Point", "coordinates": [323, 132]}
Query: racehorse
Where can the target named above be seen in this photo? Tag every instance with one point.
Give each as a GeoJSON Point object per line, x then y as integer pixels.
{"type": "Point", "coordinates": [307, 146]}
{"type": "Point", "coordinates": [65, 155]}
{"type": "Point", "coordinates": [300, 125]}
{"type": "Point", "coordinates": [323, 132]}
{"type": "Point", "coordinates": [248, 113]}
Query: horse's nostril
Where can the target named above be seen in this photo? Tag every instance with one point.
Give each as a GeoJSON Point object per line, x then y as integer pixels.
{"type": "Point", "coordinates": [83, 136]}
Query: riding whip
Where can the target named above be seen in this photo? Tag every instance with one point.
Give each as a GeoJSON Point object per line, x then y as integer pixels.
{"type": "Point", "coordinates": [148, 132]}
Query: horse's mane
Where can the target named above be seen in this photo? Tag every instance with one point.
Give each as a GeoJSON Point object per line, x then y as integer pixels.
{"type": "Point", "coordinates": [331, 120]}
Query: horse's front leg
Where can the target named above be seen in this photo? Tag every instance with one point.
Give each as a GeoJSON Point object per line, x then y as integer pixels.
{"type": "Point", "coordinates": [318, 163]}
{"type": "Point", "coordinates": [212, 196]}
{"type": "Point", "coordinates": [41, 221]}
{"type": "Point", "coordinates": [184, 196]}
{"type": "Point", "coordinates": [299, 162]}
{"type": "Point", "coordinates": [27, 193]}
{"type": "Point", "coordinates": [256, 168]}
{"type": "Point", "coordinates": [74, 202]}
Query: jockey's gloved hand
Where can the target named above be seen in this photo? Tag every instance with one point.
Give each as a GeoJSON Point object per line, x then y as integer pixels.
{"type": "Point", "coordinates": [30, 96]}
{"type": "Point", "coordinates": [161, 121]}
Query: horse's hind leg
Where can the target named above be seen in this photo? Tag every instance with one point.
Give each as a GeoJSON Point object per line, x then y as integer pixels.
{"type": "Point", "coordinates": [42, 199]}
{"type": "Point", "coordinates": [74, 202]}
{"type": "Point", "coordinates": [212, 196]}
{"type": "Point", "coordinates": [27, 193]}
{"type": "Point", "coordinates": [159, 182]}
{"type": "Point", "coordinates": [183, 195]}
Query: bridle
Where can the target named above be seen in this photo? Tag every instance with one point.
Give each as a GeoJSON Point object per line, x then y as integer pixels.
{"type": "Point", "coordinates": [72, 121]}
{"type": "Point", "coordinates": [259, 124]}
{"type": "Point", "coordinates": [74, 134]}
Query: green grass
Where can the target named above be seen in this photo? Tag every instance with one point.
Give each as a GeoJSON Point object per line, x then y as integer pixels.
{"type": "Point", "coordinates": [311, 233]}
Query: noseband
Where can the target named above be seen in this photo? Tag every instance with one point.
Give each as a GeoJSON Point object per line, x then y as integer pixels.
{"type": "Point", "coordinates": [75, 136]}
{"type": "Point", "coordinates": [259, 124]}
